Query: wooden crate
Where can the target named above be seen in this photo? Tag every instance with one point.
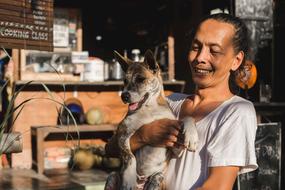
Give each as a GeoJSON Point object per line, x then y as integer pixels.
{"type": "Point", "coordinates": [39, 136]}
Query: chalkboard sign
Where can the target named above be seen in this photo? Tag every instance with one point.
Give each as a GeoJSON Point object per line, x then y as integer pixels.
{"type": "Point", "coordinates": [268, 153]}
{"type": "Point", "coordinates": [26, 24]}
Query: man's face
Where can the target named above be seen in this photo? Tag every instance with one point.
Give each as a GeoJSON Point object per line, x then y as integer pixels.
{"type": "Point", "coordinates": [212, 54]}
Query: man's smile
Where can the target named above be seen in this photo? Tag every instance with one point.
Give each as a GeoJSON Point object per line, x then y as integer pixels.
{"type": "Point", "coordinates": [200, 71]}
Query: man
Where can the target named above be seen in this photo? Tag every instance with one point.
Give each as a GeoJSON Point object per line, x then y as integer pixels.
{"type": "Point", "coordinates": [226, 123]}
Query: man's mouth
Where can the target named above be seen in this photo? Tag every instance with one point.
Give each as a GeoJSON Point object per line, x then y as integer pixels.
{"type": "Point", "coordinates": [137, 105]}
{"type": "Point", "coordinates": [202, 71]}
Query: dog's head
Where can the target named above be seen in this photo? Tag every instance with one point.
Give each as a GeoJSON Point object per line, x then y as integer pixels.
{"type": "Point", "coordinates": [142, 83]}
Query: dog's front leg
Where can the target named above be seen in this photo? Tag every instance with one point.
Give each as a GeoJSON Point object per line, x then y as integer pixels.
{"type": "Point", "coordinates": [155, 182]}
{"type": "Point", "coordinates": [113, 181]}
{"type": "Point", "coordinates": [128, 170]}
{"type": "Point", "coordinates": [188, 138]}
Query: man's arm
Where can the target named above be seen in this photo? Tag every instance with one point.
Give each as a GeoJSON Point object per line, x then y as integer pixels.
{"type": "Point", "coordinates": [162, 133]}
{"type": "Point", "coordinates": [220, 178]}
{"type": "Point", "coordinates": [159, 133]}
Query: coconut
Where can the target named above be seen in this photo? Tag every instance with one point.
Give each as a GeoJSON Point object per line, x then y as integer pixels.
{"type": "Point", "coordinates": [83, 159]}
{"type": "Point", "coordinates": [94, 116]}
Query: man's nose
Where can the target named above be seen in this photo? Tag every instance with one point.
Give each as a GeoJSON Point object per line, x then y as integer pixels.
{"type": "Point", "coordinates": [203, 55]}
{"type": "Point", "coordinates": [126, 97]}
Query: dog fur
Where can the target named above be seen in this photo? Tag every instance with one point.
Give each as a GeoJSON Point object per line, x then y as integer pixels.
{"type": "Point", "coordinates": [143, 91]}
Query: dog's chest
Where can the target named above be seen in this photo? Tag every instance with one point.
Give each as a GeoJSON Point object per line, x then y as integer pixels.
{"type": "Point", "coordinates": [146, 115]}
{"type": "Point", "coordinates": [149, 159]}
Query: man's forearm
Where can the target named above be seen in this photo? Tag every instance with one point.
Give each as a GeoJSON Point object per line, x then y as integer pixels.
{"type": "Point", "coordinates": [112, 148]}
{"type": "Point", "coordinates": [136, 142]}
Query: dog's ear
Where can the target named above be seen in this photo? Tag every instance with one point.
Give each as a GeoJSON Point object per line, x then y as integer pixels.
{"type": "Point", "coordinates": [150, 61]}
{"type": "Point", "coordinates": [124, 61]}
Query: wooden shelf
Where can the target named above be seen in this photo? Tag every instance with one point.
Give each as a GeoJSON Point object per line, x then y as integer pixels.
{"type": "Point", "coordinates": [73, 129]}
{"type": "Point", "coordinates": [176, 86]}
{"type": "Point", "coordinates": [40, 134]}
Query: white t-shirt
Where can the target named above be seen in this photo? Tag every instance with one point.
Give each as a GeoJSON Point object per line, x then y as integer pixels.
{"type": "Point", "coordinates": [226, 138]}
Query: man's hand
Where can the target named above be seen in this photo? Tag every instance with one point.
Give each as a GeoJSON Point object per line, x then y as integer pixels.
{"type": "Point", "coordinates": [162, 133]}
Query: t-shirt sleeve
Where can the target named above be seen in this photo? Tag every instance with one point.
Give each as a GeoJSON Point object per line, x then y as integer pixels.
{"type": "Point", "coordinates": [233, 142]}
{"type": "Point", "coordinates": [175, 102]}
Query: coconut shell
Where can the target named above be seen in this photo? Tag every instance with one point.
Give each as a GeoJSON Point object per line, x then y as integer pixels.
{"type": "Point", "coordinates": [83, 159]}
{"type": "Point", "coordinates": [94, 116]}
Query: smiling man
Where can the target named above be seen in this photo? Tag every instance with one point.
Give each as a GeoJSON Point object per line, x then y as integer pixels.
{"type": "Point", "coordinates": [226, 123]}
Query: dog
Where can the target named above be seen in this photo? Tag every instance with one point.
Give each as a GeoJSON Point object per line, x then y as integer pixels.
{"type": "Point", "coordinates": [144, 94]}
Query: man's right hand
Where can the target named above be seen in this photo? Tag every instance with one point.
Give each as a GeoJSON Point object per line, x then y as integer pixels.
{"type": "Point", "coordinates": [161, 133]}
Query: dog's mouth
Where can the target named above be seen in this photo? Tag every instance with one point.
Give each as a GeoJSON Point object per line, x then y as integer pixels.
{"type": "Point", "coordinates": [137, 105]}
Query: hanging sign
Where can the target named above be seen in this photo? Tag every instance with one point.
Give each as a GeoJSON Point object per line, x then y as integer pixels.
{"type": "Point", "coordinates": [26, 24]}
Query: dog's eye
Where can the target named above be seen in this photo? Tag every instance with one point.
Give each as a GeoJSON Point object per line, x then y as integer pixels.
{"type": "Point", "coordinates": [140, 79]}
{"type": "Point", "coordinates": [125, 81]}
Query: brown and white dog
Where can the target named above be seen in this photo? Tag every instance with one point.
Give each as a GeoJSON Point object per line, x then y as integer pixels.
{"type": "Point", "coordinates": [143, 91]}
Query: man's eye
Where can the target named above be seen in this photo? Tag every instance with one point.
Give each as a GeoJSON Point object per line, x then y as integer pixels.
{"type": "Point", "coordinates": [215, 52]}
{"type": "Point", "coordinates": [195, 48]}
{"type": "Point", "coordinates": [140, 79]}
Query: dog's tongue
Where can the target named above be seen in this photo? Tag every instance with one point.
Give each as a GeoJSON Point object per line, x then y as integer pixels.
{"type": "Point", "coordinates": [133, 106]}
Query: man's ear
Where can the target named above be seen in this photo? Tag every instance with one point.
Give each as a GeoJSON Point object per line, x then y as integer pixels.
{"type": "Point", "coordinates": [150, 60]}
{"type": "Point", "coordinates": [124, 61]}
{"type": "Point", "coordinates": [237, 61]}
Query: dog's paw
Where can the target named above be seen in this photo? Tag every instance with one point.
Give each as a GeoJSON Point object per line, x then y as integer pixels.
{"type": "Point", "coordinates": [190, 134]}
{"type": "Point", "coordinates": [193, 143]}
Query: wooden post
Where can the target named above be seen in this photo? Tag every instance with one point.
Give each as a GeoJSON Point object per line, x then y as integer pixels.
{"type": "Point", "coordinates": [171, 58]}
{"type": "Point", "coordinates": [16, 61]}
{"type": "Point", "coordinates": [79, 34]}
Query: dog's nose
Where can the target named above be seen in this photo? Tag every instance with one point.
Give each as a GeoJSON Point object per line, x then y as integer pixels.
{"type": "Point", "coordinates": [126, 97]}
